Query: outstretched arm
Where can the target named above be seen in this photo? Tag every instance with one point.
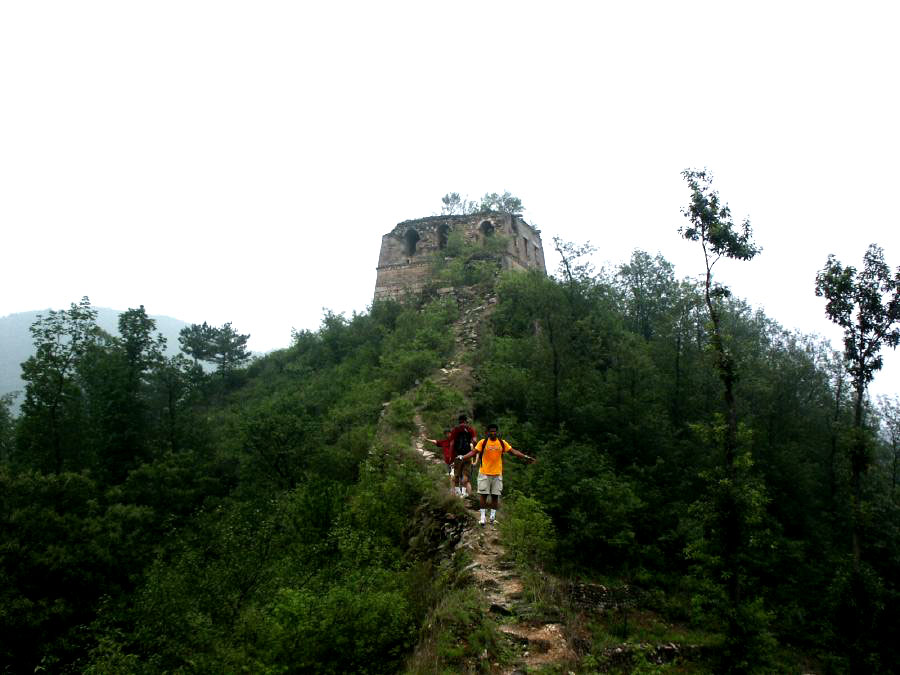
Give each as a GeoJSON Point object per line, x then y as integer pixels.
{"type": "Point", "coordinates": [522, 455]}
{"type": "Point", "coordinates": [470, 453]}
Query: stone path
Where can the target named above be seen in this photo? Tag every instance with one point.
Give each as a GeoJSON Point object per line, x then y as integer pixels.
{"type": "Point", "coordinates": [536, 643]}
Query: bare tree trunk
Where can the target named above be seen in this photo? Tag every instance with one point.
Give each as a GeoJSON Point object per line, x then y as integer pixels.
{"type": "Point", "coordinates": [726, 369]}
{"type": "Point", "coordinates": [832, 478]}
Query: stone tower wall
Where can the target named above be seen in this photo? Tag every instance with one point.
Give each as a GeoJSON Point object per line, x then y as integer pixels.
{"type": "Point", "coordinates": [404, 263]}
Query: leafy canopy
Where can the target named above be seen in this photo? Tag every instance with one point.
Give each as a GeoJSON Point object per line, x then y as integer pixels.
{"type": "Point", "coordinates": [491, 202]}
{"type": "Point", "coordinates": [711, 223]}
{"type": "Point", "coordinates": [866, 305]}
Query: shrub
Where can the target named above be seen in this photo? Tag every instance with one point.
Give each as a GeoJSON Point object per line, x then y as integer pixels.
{"type": "Point", "coordinates": [527, 531]}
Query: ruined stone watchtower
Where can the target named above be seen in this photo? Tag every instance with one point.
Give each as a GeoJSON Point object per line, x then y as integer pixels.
{"type": "Point", "coordinates": [404, 264]}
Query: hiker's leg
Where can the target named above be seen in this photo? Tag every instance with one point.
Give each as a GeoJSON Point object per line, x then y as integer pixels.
{"type": "Point", "coordinates": [457, 470]}
{"type": "Point", "coordinates": [467, 484]}
{"type": "Point", "coordinates": [496, 489]}
{"type": "Point", "coordinates": [483, 490]}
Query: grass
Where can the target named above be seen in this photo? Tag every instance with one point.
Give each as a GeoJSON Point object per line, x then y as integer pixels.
{"type": "Point", "coordinates": [638, 626]}
{"type": "Point", "coordinates": [458, 636]}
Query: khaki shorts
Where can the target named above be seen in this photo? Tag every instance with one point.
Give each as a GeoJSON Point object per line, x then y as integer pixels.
{"type": "Point", "coordinates": [490, 485]}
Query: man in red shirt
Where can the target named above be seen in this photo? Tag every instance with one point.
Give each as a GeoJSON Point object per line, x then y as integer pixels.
{"type": "Point", "coordinates": [462, 436]}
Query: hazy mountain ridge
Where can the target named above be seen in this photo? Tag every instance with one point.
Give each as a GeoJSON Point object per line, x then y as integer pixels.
{"type": "Point", "coordinates": [16, 344]}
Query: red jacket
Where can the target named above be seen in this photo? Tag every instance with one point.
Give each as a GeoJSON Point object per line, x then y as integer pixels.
{"type": "Point", "coordinates": [444, 445]}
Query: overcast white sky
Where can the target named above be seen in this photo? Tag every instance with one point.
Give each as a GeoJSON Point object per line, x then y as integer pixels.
{"type": "Point", "coordinates": [223, 161]}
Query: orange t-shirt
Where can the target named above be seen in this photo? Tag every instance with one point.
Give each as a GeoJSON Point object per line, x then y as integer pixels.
{"type": "Point", "coordinates": [492, 455]}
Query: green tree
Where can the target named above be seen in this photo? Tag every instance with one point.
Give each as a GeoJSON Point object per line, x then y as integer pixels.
{"type": "Point", "coordinates": [889, 407]}
{"type": "Point", "coordinates": [172, 388]}
{"type": "Point", "coordinates": [505, 203]}
{"type": "Point", "coordinates": [197, 341]}
{"type": "Point", "coordinates": [710, 223]}
{"type": "Point", "coordinates": [142, 354]}
{"type": "Point", "coordinates": [574, 264]}
{"type": "Point", "coordinates": [7, 426]}
{"type": "Point", "coordinates": [52, 410]}
{"type": "Point", "coordinates": [866, 305]}
{"type": "Point", "coordinates": [735, 498]}
{"type": "Point", "coordinates": [454, 205]}
{"type": "Point", "coordinates": [229, 349]}
{"type": "Point", "coordinates": [224, 347]}
{"type": "Point", "coordinates": [143, 350]}
{"type": "Point", "coordinates": [648, 285]}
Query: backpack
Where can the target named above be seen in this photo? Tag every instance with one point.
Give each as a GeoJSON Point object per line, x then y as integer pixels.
{"type": "Point", "coordinates": [504, 446]}
{"type": "Point", "coordinates": [462, 442]}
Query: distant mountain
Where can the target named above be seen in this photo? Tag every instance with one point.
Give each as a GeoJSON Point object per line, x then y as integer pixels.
{"type": "Point", "coordinates": [16, 345]}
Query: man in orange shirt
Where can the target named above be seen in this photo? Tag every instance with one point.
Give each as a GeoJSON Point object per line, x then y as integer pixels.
{"type": "Point", "coordinates": [490, 475]}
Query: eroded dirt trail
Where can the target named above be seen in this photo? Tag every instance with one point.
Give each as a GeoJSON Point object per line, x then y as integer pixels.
{"type": "Point", "coordinates": [535, 643]}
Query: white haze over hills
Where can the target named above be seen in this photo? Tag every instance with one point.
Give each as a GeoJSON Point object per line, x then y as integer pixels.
{"type": "Point", "coordinates": [239, 162]}
{"type": "Point", "coordinates": [16, 343]}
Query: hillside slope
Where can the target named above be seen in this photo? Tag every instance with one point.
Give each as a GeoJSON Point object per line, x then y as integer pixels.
{"type": "Point", "coordinates": [538, 622]}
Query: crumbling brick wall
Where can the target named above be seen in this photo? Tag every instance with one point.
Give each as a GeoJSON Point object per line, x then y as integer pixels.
{"type": "Point", "coordinates": [404, 263]}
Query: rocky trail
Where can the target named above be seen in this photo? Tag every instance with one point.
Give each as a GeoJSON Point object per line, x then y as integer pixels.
{"type": "Point", "coordinates": [536, 639]}
{"type": "Point", "coordinates": [534, 643]}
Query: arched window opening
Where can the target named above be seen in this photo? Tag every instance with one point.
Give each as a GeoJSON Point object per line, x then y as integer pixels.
{"type": "Point", "coordinates": [411, 238]}
{"type": "Point", "coordinates": [487, 228]}
{"type": "Point", "coordinates": [443, 232]}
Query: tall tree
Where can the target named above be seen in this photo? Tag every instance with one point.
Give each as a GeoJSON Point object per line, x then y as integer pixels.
{"type": "Point", "coordinates": [649, 288]}
{"type": "Point", "coordinates": [123, 389]}
{"type": "Point", "coordinates": [736, 497]}
{"type": "Point", "coordinates": [51, 409]}
{"type": "Point", "coordinates": [172, 386]}
{"type": "Point", "coordinates": [143, 350]}
{"type": "Point", "coordinates": [711, 225]}
{"type": "Point", "coordinates": [866, 305]}
{"type": "Point", "coordinates": [197, 341]}
{"type": "Point", "coordinates": [229, 349]}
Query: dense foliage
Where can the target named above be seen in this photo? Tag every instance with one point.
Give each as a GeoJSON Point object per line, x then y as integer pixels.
{"type": "Point", "coordinates": [612, 380]}
{"type": "Point", "coordinates": [264, 517]}
{"type": "Point", "coordinates": [156, 517]}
